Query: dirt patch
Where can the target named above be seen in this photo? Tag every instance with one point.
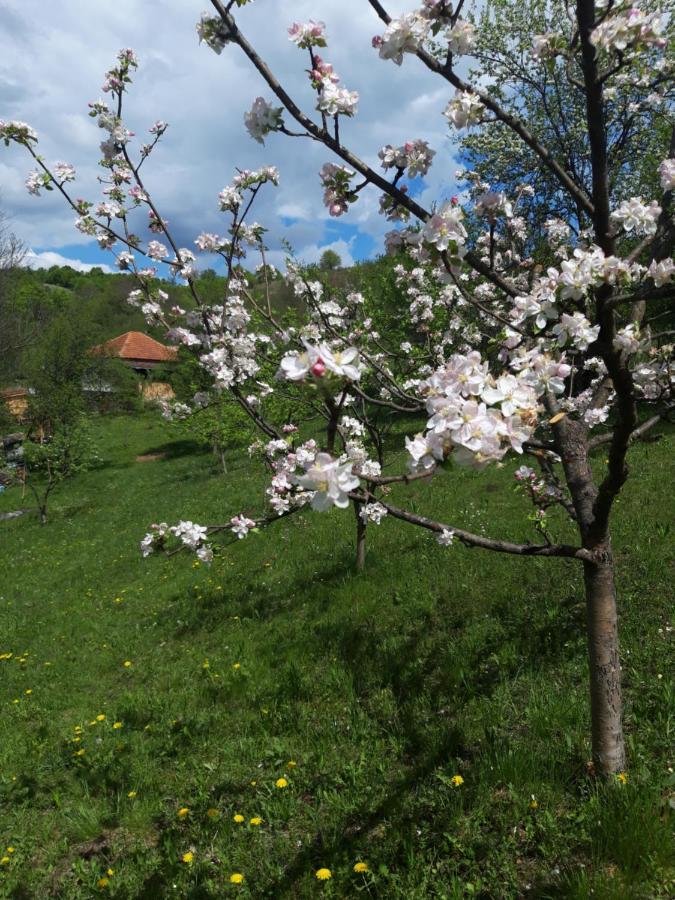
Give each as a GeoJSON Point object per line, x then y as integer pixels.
{"type": "Point", "coordinates": [150, 457]}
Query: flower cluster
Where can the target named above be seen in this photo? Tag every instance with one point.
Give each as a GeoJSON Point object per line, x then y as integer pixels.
{"type": "Point", "coordinates": [667, 174]}
{"type": "Point", "coordinates": [16, 131]}
{"type": "Point", "coordinates": [309, 34]}
{"type": "Point", "coordinates": [338, 192]}
{"type": "Point", "coordinates": [473, 416]}
{"type": "Point", "coordinates": [319, 362]}
{"type": "Point", "coordinates": [373, 512]}
{"type": "Point", "coordinates": [404, 34]}
{"type": "Point", "coordinates": [337, 101]}
{"type": "Point", "coordinates": [212, 33]}
{"type": "Point", "coordinates": [464, 110]}
{"type": "Point", "coordinates": [330, 479]}
{"type": "Point", "coordinates": [461, 37]}
{"type": "Point", "coordinates": [631, 29]}
{"type": "Point", "coordinates": [262, 118]}
{"type": "Point", "coordinates": [637, 217]}
{"type": "Point", "coordinates": [413, 156]}
{"type": "Point", "coordinates": [241, 525]}
{"type": "Point", "coordinates": [444, 229]}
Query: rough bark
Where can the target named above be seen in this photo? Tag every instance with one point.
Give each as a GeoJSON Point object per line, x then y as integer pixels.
{"type": "Point", "coordinates": [602, 630]}
{"type": "Point", "coordinates": [609, 755]}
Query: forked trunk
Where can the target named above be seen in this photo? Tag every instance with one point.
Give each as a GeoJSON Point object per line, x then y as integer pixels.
{"type": "Point", "coordinates": [609, 755]}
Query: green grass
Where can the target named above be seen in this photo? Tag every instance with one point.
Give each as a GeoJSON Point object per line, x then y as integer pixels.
{"type": "Point", "coordinates": [380, 686]}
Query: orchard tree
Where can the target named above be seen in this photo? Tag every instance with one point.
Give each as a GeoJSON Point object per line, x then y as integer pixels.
{"type": "Point", "coordinates": [48, 462]}
{"type": "Point", "coordinates": [523, 333]}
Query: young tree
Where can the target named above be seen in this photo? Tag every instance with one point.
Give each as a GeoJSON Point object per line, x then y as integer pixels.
{"type": "Point", "coordinates": [219, 426]}
{"type": "Point", "coordinates": [522, 335]}
{"type": "Point", "coordinates": [47, 463]}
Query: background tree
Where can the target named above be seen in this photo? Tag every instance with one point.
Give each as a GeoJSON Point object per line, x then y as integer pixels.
{"type": "Point", "coordinates": [14, 333]}
{"type": "Point", "coordinates": [329, 261]}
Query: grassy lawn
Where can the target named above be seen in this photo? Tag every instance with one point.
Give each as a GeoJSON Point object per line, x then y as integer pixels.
{"type": "Point", "coordinates": [145, 704]}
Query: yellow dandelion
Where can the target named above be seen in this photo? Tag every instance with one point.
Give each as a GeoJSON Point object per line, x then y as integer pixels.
{"type": "Point", "coordinates": [188, 857]}
{"type": "Point", "coordinates": [253, 783]}
{"type": "Point", "coordinates": [206, 664]}
{"type": "Point", "coordinates": [183, 811]}
{"type": "Point", "coordinates": [291, 764]}
{"type": "Point", "coordinates": [238, 818]}
{"type": "Point", "coordinates": [29, 691]}
{"type": "Point", "coordinates": [457, 780]}
{"type": "Point", "coordinates": [323, 874]}
{"type": "Point", "coordinates": [533, 803]}
{"type": "Point", "coordinates": [80, 752]}
{"type": "Point", "coordinates": [236, 878]}
{"type": "Point", "coordinates": [10, 849]}
{"type": "Point", "coordinates": [622, 777]}
{"type": "Point", "coordinates": [236, 666]}
{"type": "Point", "coordinates": [117, 725]}
{"type": "Point", "coordinates": [127, 664]}
{"type": "Point", "coordinates": [131, 794]}
{"type": "Point", "coordinates": [5, 861]}
{"type": "Point", "coordinates": [100, 717]}
{"type": "Point", "coordinates": [110, 872]}
{"type": "Point", "coordinates": [212, 813]}
{"type": "Point", "coordinates": [361, 867]}
{"type": "Point", "coordinates": [78, 729]}
{"type": "Point", "coordinates": [103, 882]}
{"type": "Point", "coordinates": [281, 783]}
{"type": "Point", "coordinates": [256, 820]}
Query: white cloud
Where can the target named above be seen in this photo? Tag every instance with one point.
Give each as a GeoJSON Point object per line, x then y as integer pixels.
{"type": "Point", "coordinates": [54, 58]}
{"type": "Point", "coordinates": [49, 258]}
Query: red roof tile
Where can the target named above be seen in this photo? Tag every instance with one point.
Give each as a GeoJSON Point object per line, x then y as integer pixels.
{"type": "Point", "coordinates": [136, 345]}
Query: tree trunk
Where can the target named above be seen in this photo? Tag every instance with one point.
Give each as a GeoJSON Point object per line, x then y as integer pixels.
{"type": "Point", "coordinates": [360, 538]}
{"type": "Point", "coordinates": [42, 510]}
{"type": "Point", "coordinates": [609, 755]}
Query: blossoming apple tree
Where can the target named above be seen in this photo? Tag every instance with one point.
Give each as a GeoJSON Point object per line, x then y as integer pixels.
{"type": "Point", "coordinates": [520, 335]}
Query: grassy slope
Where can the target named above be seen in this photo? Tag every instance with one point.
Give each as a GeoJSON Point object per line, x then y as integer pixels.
{"type": "Point", "coordinates": [380, 687]}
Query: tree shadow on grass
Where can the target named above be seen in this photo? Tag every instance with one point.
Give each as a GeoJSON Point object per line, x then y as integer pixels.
{"type": "Point", "coordinates": [425, 748]}
{"type": "Point", "coordinates": [175, 450]}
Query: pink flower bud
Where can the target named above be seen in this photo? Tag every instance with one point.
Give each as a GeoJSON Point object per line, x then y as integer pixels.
{"type": "Point", "coordinates": [319, 368]}
{"type": "Point", "coordinates": [376, 41]}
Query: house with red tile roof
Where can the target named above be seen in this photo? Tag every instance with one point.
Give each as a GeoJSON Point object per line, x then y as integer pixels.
{"type": "Point", "coordinates": [142, 353]}
{"type": "Point", "coordinates": [138, 350]}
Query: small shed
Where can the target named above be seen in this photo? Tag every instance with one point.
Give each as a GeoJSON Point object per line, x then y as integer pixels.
{"type": "Point", "coordinates": [16, 400]}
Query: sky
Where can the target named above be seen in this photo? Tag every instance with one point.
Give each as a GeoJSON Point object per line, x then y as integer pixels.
{"type": "Point", "coordinates": [55, 56]}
